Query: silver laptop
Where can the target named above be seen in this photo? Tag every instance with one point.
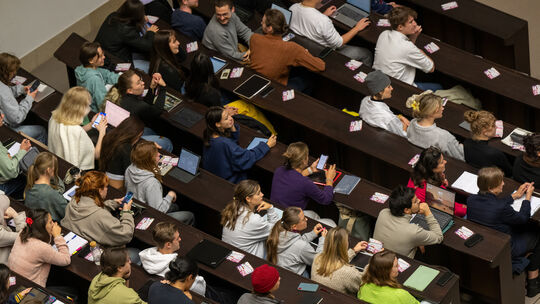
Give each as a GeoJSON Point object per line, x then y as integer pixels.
{"type": "Point", "coordinates": [188, 166]}
{"type": "Point", "coordinates": [352, 12]}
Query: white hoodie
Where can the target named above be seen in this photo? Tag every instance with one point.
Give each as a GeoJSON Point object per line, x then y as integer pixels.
{"type": "Point", "coordinates": [155, 262]}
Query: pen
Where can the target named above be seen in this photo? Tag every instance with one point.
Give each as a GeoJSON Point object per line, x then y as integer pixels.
{"type": "Point", "coordinates": [327, 291]}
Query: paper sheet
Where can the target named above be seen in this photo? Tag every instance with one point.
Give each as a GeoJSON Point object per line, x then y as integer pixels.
{"type": "Point", "coordinates": [535, 204]}
{"type": "Point", "coordinates": [14, 149]}
{"type": "Point", "coordinates": [115, 114]}
{"type": "Point", "coordinates": [467, 183]}
{"type": "Point", "coordinates": [74, 243]}
{"type": "Point", "coordinates": [68, 194]}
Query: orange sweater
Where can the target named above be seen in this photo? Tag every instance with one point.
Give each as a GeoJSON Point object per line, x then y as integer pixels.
{"type": "Point", "coordinates": [273, 57]}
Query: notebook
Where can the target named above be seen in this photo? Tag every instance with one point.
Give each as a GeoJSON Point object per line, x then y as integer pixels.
{"type": "Point", "coordinates": [115, 113]}
{"type": "Point", "coordinates": [252, 86]}
{"type": "Point", "coordinates": [352, 11]}
{"type": "Point", "coordinates": [186, 117]}
{"type": "Point", "coordinates": [319, 177]}
{"type": "Point", "coordinates": [347, 184]}
{"type": "Point", "coordinates": [421, 278]}
{"type": "Point", "coordinates": [441, 204]}
{"type": "Point", "coordinates": [209, 253]}
{"type": "Point", "coordinates": [187, 167]}
{"type": "Point", "coordinates": [255, 142]}
{"type": "Point", "coordinates": [43, 91]}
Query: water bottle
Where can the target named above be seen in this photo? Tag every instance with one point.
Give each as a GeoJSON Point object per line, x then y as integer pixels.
{"type": "Point", "coordinates": [96, 252]}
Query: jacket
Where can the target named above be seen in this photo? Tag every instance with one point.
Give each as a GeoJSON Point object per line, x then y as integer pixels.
{"type": "Point", "coordinates": [155, 262]}
{"type": "Point", "coordinates": [374, 294]}
{"type": "Point", "coordinates": [111, 290]}
{"type": "Point", "coordinates": [95, 81]}
{"type": "Point", "coordinates": [8, 236]}
{"type": "Point", "coordinates": [9, 166]}
{"type": "Point", "coordinates": [146, 188]}
{"type": "Point", "coordinates": [72, 143]}
{"type": "Point", "coordinates": [92, 222]}
{"type": "Point", "coordinates": [434, 136]}
{"type": "Point", "coordinates": [143, 108]}
{"type": "Point", "coordinates": [15, 112]}
{"type": "Point", "coordinates": [45, 197]}
{"type": "Point", "coordinates": [294, 251]}
{"type": "Point", "coordinates": [122, 40]}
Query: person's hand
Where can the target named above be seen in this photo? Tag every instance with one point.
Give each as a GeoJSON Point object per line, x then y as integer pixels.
{"type": "Point", "coordinates": [272, 141]}
{"type": "Point", "coordinates": [173, 195]}
{"type": "Point", "coordinates": [165, 282]}
{"type": "Point", "coordinates": [418, 30]}
{"type": "Point", "coordinates": [404, 121]}
{"type": "Point", "coordinates": [245, 57]}
{"type": "Point", "coordinates": [127, 206]}
{"type": "Point", "coordinates": [362, 245]}
{"type": "Point", "coordinates": [520, 191]}
{"type": "Point", "coordinates": [157, 145]}
{"type": "Point", "coordinates": [330, 175]}
{"type": "Point", "coordinates": [25, 292]}
{"type": "Point", "coordinates": [2, 119]}
{"type": "Point", "coordinates": [318, 228]}
{"type": "Point", "coordinates": [102, 126]}
{"type": "Point", "coordinates": [26, 145]}
{"type": "Point", "coordinates": [264, 206]}
{"type": "Point", "coordinates": [231, 110]}
{"type": "Point", "coordinates": [10, 213]}
{"type": "Point", "coordinates": [56, 229]}
{"type": "Point", "coordinates": [324, 232]}
{"type": "Point", "coordinates": [362, 24]}
{"type": "Point", "coordinates": [153, 28]}
{"type": "Point", "coordinates": [158, 79]}
{"type": "Point", "coordinates": [330, 11]}
{"type": "Point", "coordinates": [27, 90]}
{"type": "Point", "coordinates": [394, 5]}
{"type": "Point", "coordinates": [530, 191]}
{"type": "Point", "coordinates": [314, 165]}
{"type": "Point", "coordinates": [424, 209]}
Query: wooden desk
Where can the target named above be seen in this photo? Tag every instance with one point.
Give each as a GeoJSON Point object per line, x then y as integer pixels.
{"type": "Point", "coordinates": [24, 282]}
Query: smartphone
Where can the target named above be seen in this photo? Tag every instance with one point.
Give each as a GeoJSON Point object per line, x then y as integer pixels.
{"type": "Point", "coordinates": [35, 85]}
{"type": "Point", "coordinates": [98, 119]}
{"type": "Point", "coordinates": [322, 161]}
{"type": "Point", "coordinates": [325, 52]}
{"type": "Point", "coordinates": [127, 198]}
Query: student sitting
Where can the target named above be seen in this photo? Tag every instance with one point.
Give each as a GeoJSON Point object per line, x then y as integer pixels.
{"type": "Point", "coordinates": [116, 152]}
{"type": "Point", "coordinates": [331, 267]}
{"type": "Point", "coordinates": [156, 260]}
{"type": "Point", "coordinates": [527, 166]}
{"type": "Point", "coordinates": [180, 277]}
{"type": "Point", "coordinates": [379, 283]}
{"type": "Point", "coordinates": [373, 109]}
{"type": "Point", "coordinates": [44, 188]}
{"type": "Point", "coordinates": [287, 248]}
{"type": "Point", "coordinates": [430, 169]}
{"type": "Point", "coordinates": [223, 31]}
{"type": "Point", "coordinates": [5, 283]}
{"type": "Point", "coordinates": [292, 187]}
{"type": "Point", "coordinates": [393, 227]}
{"type": "Point", "coordinates": [11, 182]}
{"type": "Point", "coordinates": [7, 235]}
{"type": "Point", "coordinates": [91, 76]}
{"type": "Point", "coordinates": [166, 58]}
{"type": "Point", "coordinates": [423, 130]}
{"type": "Point", "coordinates": [243, 227]}
{"type": "Point", "coordinates": [109, 286]}
{"type": "Point", "coordinates": [127, 93]}
{"type": "Point", "coordinates": [202, 85]}
{"type": "Point", "coordinates": [222, 155]}
{"type": "Point", "coordinates": [396, 54]}
{"type": "Point", "coordinates": [67, 138]}
{"type": "Point", "coordinates": [308, 21]}
{"type": "Point", "coordinates": [121, 34]}
{"type": "Point", "coordinates": [265, 280]}
{"type": "Point", "coordinates": [184, 21]}
{"type": "Point", "coordinates": [477, 151]}
{"type": "Point", "coordinates": [32, 254]}
{"type": "Point", "coordinates": [274, 58]}
{"type": "Point", "coordinates": [15, 112]}
{"type": "Point", "coordinates": [143, 178]}
{"type": "Point", "coordinates": [89, 214]}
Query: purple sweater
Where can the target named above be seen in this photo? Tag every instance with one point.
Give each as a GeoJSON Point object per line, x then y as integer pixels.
{"type": "Point", "coordinates": [290, 188]}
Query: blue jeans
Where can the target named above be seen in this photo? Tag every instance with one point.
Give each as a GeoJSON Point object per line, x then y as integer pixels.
{"type": "Point", "coordinates": [37, 132]}
{"type": "Point", "coordinates": [185, 217]}
{"type": "Point", "coordinates": [164, 142]}
{"type": "Point", "coordinates": [14, 187]}
{"type": "Point", "coordinates": [424, 86]}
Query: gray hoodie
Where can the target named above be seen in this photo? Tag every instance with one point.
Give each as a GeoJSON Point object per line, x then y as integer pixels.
{"type": "Point", "coordinates": [15, 111]}
{"type": "Point", "coordinates": [249, 298]}
{"type": "Point", "coordinates": [146, 188]}
{"type": "Point", "coordinates": [295, 252]}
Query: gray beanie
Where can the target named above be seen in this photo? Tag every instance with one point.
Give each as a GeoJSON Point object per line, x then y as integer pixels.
{"type": "Point", "coordinates": [377, 81]}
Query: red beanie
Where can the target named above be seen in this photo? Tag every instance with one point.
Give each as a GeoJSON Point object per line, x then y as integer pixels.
{"type": "Point", "coordinates": [264, 278]}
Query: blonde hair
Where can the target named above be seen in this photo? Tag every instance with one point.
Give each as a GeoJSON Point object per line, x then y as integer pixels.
{"type": "Point", "coordinates": [296, 155]}
{"type": "Point", "coordinates": [334, 254]}
{"type": "Point", "coordinates": [489, 178]}
{"type": "Point", "coordinates": [73, 107]}
{"type": "Point", "coordinates": [480, 121]}
{"type": "Point", "coordinates": [425, 104]}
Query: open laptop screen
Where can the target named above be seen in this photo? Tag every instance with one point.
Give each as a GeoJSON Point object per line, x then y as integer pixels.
{"type": "Point", "coordinates": [364, 5]}
{"type": "Point", "coordinates": [440, 198]}
{"type": "Point", "coordinates": [217, 63]}
{"type": "Point", "coordinates": [188, 161]}
{"type": "Point", "coordinates": [287, 13]}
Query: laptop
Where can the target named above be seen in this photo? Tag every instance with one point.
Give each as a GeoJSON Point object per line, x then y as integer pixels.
{"type": "Point", "coordinates": [441, 204]}
{"type": "Point", "coordinates": [209, 253]}
{"type": "Point", "coordinates": [187, 117]}
{"type": "Point", "coordinates": [115, 113]}
{"type": "Point", "coordinates": [187, 167]}
{"type": "Point", "coordinates": [252, 86]}
{"type": "Point", "coordinates": [352, 12]}
{"type": "Point", "coordinates": [218, 64]}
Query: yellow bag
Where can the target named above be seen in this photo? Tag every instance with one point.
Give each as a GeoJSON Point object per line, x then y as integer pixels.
{"type": "Point", "coordinates": [247, 109]}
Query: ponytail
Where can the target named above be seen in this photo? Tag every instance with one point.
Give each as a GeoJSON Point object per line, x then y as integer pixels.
{"type": "Point", "coordinates": [43, 161]}
{"type": "Point", "coordinates": [242, 191]}
{"type": "Point", "coordinates": [291, 216]}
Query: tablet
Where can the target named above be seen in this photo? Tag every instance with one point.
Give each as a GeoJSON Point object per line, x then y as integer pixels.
{"type": "Point", "coordinates": [251, 87]}
{"type": "Point", "coordinates": [255, 142]}
{"type": "Point", "coordinates": [217, 64]}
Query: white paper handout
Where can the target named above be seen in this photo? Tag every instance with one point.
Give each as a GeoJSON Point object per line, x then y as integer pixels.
{"type": "Point", "coordinates": [467, 183]}
{"type": "Point", "coordinates": [535, 204]}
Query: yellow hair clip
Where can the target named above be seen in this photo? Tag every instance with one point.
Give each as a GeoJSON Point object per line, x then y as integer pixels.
{"type": "Point", "coordinates": [415, 105]}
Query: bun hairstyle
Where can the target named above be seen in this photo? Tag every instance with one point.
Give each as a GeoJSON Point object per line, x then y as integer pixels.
{"type": "Point", "coordinates": [532, 146]}
{"type": "Point", "coordinates": [242, 191]}
{"type": "Point", "coordinates": [425, 104]}
{"type": "Point", "coordinates": [480, 121]}
{"type": "Point", "coordinates": [290, 217]}
{"type": "Point", "coordinates": [276, 20]}
{"type": "Point", "coordinates": [295, 156]}
{"type": "Point", "coordinates": [180, 269]}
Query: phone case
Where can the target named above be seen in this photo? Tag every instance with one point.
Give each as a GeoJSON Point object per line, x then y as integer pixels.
{"type": "Point", "coordinates": [308, 287]}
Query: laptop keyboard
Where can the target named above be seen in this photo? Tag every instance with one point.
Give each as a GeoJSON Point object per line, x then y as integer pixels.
{"type": "Point", "coordinates": [351, 13]}
{"type": "Point", "coordinates": [442, 218]}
